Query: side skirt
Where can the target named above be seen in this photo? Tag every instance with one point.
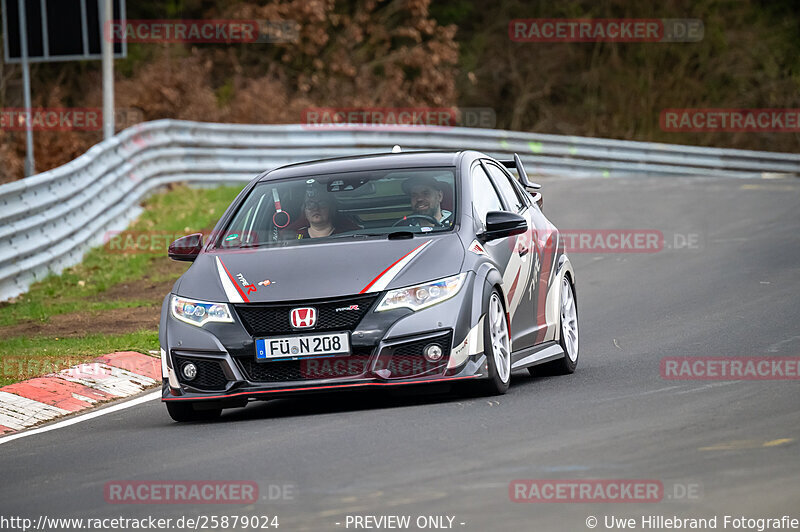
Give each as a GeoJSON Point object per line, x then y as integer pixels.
{"type": "Point", "coordinates": [538, 354]}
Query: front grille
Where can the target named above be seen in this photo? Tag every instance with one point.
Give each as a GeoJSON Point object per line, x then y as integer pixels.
{"type": "Point", "coordinates": [406, 360]}
{"type": "Point", "coordinates": [209, 373]}
{"type": "Point", "coordinates": [262, 319]}
{"type": "Point", "coordinates": [306, 369]}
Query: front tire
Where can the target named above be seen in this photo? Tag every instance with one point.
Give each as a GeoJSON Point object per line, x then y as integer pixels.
{"type": "Point", "coordinates": [496, 347]}
{"type": "Point", "coordinates": [185, 411]}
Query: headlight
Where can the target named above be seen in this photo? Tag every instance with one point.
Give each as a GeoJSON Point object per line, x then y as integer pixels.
{"type": "Point", "coordinates": [423, 295]}
{"type": "Point", "coordinates": [199, 312]}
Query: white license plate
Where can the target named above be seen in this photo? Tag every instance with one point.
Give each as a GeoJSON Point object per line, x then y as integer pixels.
{"type": "Point", "coordinates": [312, 345]}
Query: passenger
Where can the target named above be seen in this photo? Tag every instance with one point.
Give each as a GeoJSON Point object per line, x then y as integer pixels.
{"type": "Point", "coordinates": [320, 210]}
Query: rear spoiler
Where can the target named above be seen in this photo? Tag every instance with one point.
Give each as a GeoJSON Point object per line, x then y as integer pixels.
{"type": "Point", "coordinates": [516, 164]}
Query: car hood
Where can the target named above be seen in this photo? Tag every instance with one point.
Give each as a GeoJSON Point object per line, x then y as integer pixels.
{"type": "Point", "coordinates": [314, 271]}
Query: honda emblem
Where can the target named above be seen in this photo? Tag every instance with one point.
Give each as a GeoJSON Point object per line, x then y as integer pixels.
{"type": "Point", "coordinates": [304, 318]}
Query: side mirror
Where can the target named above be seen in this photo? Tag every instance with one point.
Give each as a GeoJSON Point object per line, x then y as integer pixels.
{"type": "Point", "coordinates": [500, 224]}
{"type": "Point", "coordinates": [186, 248]}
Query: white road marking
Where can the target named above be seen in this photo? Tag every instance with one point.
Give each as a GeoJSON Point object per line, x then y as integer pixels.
{"type": "Point", "coordinates": [639, 394]}
{"type": "Point", "coordinates": [84, 417]}
{"type": "Point", "coordinates": [669, 389]}
{"type": "Point", "coordinates": [775, 348]}
{"type": "Point", "coordinates": [707, 386]}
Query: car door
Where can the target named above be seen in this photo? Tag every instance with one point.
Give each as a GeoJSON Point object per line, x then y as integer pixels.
{"type": "Point", "coordinates": [546, 241]}
{"type": "Point", "coordinates": [485, 199]}
{"type": "Point", "coordinates": [523, 261]}
{"type": "Point", "coordinates": [544, 244]}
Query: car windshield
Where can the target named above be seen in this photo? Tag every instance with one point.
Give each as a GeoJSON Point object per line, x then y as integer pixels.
{"type": "Point", "coordinates": [346, 205]}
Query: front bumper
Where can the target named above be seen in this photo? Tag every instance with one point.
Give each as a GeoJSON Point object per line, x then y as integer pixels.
{"type": "Point", "coordinates": [386, 351]}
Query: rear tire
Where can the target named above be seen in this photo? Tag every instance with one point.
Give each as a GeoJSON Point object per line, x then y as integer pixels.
{"type": "Point", "coordinates": [568, 337]}
{"type": "Point", "coordinates": [183, 411]}
{"type": "Point", "coordinates": [496, 347]}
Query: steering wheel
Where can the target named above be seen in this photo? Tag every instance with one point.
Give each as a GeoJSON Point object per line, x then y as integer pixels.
{"type": "Point", "coordinates": [404, 220]}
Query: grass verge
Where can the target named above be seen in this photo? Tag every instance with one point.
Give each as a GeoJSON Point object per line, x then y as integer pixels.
{"type": "Point", "coordinates": [24, 358]}
{"type": "Point", "coordinates": [55, 324]}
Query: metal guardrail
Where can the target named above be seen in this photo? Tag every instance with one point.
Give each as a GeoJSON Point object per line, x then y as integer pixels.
{"type": "Point", "coordinates": [49, 220]}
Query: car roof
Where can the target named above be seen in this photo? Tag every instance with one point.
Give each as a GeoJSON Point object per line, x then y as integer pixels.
{"type": "Point", "coordinates": [376, 161]}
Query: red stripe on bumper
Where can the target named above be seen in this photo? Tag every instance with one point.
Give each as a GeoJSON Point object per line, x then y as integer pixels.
{"type": "Point", "coordinates": [326, 387]}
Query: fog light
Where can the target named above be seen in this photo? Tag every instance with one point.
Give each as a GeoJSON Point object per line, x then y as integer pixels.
{"type": "Point", "coordinates": [189, 371]}
{"type": "Point", "coordinates": [432, 352]}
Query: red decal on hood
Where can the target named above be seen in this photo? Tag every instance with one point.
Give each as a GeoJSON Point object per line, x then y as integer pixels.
{"type": "Point", "coordinates": [375, 280]}
{"type": "Point", "coordinates": [235, 283]}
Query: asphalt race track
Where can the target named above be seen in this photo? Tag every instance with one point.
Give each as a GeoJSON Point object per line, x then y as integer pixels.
{"type": "Point", "coordinates": [735, 445]}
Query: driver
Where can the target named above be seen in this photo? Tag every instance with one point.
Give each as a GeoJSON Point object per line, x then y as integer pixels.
{"type": "Point", "coordinates": [426, 195]}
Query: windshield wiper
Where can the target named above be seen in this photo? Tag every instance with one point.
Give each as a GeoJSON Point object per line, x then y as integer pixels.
{"type": "Point", "coordinates": [394, 235]}
{"type": "Point", "coordinates": [391, 236]}
{"type": "Point", "coordinates": [353, 235]}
